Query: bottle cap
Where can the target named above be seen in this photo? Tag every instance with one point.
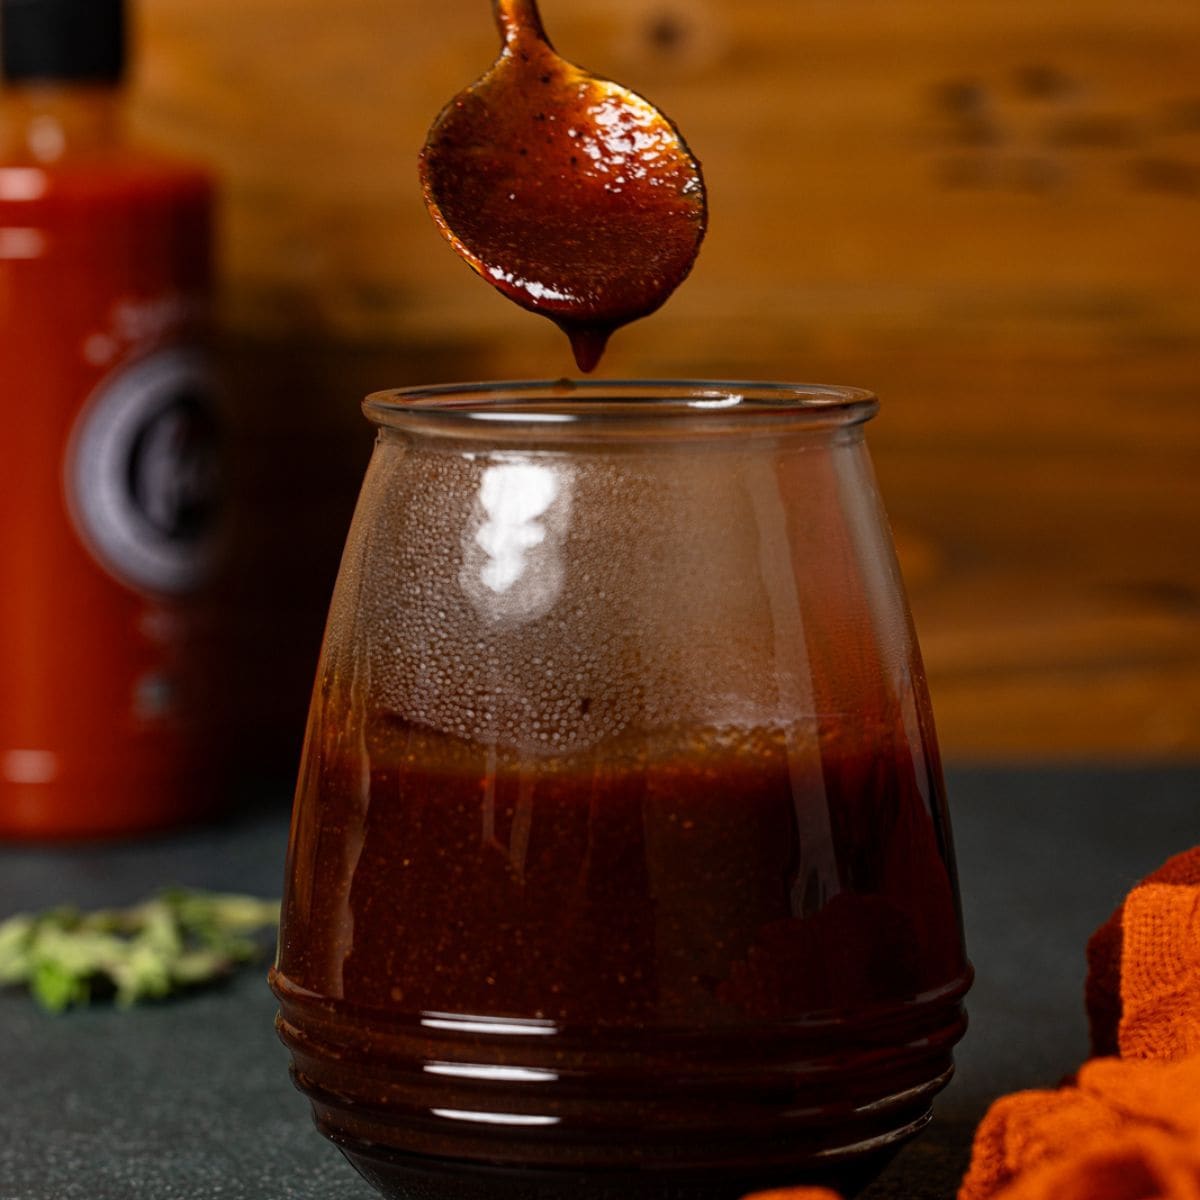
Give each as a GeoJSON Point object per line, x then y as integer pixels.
{"type": "Point", "coordinates": [79, 41]}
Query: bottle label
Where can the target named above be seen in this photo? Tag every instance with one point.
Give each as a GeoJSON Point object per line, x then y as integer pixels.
{"type": "Point", "coordinates": [142, 473]}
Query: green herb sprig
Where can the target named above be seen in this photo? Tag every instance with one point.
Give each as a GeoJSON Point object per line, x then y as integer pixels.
{"type": "Point", "coordinates": [178, 939]}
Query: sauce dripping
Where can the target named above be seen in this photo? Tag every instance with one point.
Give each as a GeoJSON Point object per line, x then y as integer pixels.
{"type": "Point", "coordinates": [571, 195]}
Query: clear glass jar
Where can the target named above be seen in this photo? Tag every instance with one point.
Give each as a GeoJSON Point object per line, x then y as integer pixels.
{"type": "Point", "coordinates": [620, 862]}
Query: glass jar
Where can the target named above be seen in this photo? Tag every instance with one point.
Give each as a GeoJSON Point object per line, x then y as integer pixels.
{"type": "Point", "coordinates": [620, 862]}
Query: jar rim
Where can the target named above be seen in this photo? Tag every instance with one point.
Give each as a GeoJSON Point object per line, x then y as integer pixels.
{"type": "Point", "coordinates": [603, 407]}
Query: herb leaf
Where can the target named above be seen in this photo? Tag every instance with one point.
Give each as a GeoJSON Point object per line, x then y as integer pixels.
{"type": "Point", "coordinates": [180, 938]}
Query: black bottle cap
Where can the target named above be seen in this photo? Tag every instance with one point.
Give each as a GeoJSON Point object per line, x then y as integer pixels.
{"type": "Point", "coordinates": [68, 41]}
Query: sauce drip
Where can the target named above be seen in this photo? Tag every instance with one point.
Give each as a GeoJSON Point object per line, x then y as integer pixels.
{"type": "Point", "coordinates": [571, 195]}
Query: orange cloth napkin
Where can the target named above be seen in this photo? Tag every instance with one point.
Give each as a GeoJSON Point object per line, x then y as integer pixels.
{"type": "Point", "coordinates": [795, 1193]}
{"type": "Point", "coordinates": [1128, 1126]}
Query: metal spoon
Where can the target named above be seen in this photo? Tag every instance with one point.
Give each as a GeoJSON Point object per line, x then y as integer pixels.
{"type": "Point", "coordinates": [573, 196]}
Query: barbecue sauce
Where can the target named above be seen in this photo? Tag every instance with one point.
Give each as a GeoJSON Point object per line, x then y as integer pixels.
{"type": "Point", "coordinates": [574, 197]}
{"type": "Point", "coordinates": [646, 886]}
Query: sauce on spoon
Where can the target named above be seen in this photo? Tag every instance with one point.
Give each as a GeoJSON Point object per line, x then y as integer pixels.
{"type": "Point", "coordinates": [571, 195]}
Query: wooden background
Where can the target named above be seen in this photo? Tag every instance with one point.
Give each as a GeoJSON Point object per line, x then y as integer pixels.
{"type": "Point", "coordinates": [986, 210]}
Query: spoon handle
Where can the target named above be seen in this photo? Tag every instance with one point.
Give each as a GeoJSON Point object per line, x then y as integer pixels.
{"type": "Point", "coordinates": [519, 21]}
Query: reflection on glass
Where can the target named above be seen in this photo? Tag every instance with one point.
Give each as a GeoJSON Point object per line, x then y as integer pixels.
{"type": "Point", "coordinates": [512, 564]}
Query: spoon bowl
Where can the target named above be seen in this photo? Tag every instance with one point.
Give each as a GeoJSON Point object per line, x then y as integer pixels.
{"type": "Point", "coordinates": [573, 196]}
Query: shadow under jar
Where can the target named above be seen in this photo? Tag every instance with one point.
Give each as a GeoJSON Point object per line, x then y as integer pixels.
{"type": "Point", "coordinates": [620, 862]}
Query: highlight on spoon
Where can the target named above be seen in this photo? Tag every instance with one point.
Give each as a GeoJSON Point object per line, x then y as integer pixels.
{"type": "Point", "coordinates": [573, 196]}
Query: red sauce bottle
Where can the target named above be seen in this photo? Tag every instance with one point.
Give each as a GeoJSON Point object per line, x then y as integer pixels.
{"type": "Point", "coordinates": [108, 479]}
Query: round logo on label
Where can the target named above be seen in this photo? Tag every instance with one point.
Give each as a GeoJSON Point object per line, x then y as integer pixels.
{"type": "Point", "coordinates": [143, 473]}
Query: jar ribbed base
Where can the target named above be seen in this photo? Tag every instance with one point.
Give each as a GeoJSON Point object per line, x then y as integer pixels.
{"type": "Point", "coordinates": [458, 1107]}
{"type": "Point", "coordinates": [410, 1177]}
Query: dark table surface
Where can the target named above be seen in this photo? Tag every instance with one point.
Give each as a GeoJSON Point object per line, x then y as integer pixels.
{"type": "Point", "coordinates": [190, 1100]}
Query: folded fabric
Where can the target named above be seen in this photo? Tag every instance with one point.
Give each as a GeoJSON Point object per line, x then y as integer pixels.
{"type": "Point", "coordinates": [1143, 1164]}
{"type": "Point", "coordinates": [1143, 985]}
{"type": "Point", "coordinates": [795, 1193]}
{"type": "Point", "coordinates": [1130, 1107]}
{"type": "Point", "coordinates": [1128, 1127]}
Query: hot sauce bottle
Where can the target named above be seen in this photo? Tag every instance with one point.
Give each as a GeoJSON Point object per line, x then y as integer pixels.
{"type": "Point", "coordinates": [108, 451]}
